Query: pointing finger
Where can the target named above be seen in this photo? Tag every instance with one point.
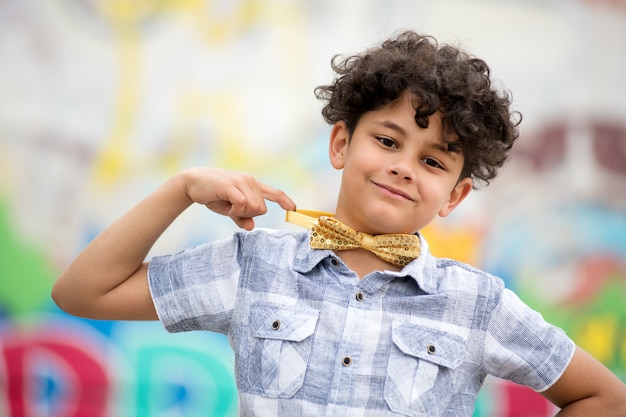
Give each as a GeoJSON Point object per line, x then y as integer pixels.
{"type": "Point", "coordinates": [277, 196]}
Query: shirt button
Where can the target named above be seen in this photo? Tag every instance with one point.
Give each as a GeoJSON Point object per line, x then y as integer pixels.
{"type": "Point", "coordinates": [359, 296]}
{"type": "Point", "coordinates": [334, 262]}
{"type": "Point", "coordinates": [275, 324]}
{"type": "Point", "coordinates": [431, 349]}
{"type": "Point", "coordinates": [346, 361]}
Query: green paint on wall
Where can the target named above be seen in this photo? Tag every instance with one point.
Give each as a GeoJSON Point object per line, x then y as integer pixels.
{"type": "Point", "coordinates": [26, 276]}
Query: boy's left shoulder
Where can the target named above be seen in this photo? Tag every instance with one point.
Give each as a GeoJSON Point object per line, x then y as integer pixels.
{"type": "Point", "coordinates": [453, 275]}
{"type": "Point", "coordinates": [441, 274]}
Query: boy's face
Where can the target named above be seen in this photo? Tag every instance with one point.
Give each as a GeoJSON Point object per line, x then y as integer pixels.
{"type": "Point", "coordinates": [397, 176]}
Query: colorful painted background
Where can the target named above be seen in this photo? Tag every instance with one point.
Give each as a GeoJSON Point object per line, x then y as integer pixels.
{"type": "Point", "coordinates": [101, 101]}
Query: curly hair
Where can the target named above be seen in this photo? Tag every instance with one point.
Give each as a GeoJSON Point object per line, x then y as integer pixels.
{"type": "Point", "coordinates": [476, 117]}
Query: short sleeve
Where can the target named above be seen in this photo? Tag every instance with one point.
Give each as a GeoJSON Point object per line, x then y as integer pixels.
{"type": "Point", "coordinates": [522, 347]}
{"type": "Point", "coordinates": [195, 289]}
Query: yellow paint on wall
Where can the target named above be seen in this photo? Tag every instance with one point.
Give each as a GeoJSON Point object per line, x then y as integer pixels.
{"type": "Point", "coordinates": [124, 17]}
{"type": "Point", "coordinates": [597, 335]}
{"type": "Point", "coordinates": [461, 244]}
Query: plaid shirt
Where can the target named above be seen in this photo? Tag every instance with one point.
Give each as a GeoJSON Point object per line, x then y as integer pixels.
{"type": "Point", "coordinates": [312, 339]}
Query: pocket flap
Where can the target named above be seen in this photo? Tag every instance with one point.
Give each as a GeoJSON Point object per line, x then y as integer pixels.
{"type": "Point", "coordinates": [432, 345]}
{"type": "Point", "coordinates": [273, 321]}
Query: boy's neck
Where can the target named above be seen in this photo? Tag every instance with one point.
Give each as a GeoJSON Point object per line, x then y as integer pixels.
{"type": "Point", "coordinates": [364, 262]}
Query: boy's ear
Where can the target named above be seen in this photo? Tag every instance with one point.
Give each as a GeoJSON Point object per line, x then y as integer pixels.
{"type": "Point", "coordinates": [339, 140]}
{"type": "Point", "coordinates": [458, 194]}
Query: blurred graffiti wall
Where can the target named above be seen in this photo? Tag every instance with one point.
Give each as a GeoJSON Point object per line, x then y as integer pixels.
{"type": "Point", "coordinates": [101, 101]}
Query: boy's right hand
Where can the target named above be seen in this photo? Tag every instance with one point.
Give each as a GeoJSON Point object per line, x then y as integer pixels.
{"type": "Point", "coordinates": [234, 194]}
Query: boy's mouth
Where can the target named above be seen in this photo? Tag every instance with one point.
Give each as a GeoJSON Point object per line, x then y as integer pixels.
{"type": "Point", "coordinates": [394, 191]}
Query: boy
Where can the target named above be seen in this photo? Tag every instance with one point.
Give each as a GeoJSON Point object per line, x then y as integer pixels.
{"type": "Point", "coordinates": [333, 330]}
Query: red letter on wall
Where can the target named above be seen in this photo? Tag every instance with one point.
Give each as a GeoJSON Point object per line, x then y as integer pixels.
{"type": "Point", "coordinates": [50, 375]}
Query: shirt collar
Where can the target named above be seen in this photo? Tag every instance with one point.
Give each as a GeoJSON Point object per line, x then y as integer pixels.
{"type": "Point", "coordinates": [421, 269]}
{"type": "Point", "coordinates": [307, 258]}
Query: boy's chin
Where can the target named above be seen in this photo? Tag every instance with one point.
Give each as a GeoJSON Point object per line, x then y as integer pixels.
{"type": "Point", "coordinates": [394, 228]}
{"type": "Point", "coordinates": [379, 219]}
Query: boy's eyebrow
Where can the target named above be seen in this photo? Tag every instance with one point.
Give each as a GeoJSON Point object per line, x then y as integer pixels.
{"type": "Point", "coordinates": [451, 147]}
{"type": "Point", "coordinates": [391, 125]}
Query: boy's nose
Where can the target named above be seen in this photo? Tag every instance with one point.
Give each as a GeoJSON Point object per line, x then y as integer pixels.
{"type": "Point", "coordinates": [397, 173]}
{"type": "Point", "coordinates": [402, 167]}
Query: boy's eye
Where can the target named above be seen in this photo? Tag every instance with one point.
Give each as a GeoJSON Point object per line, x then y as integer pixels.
{"type": "Point", "coordinates": [386, 142]}
{"type": "Point", "coordinates": [432, 162]}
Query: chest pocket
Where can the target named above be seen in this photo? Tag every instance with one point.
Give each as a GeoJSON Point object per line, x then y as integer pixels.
{"type": "Point", "coordinates": [281, 347]}
{"type": "Point", "coordinates": [420, 368]}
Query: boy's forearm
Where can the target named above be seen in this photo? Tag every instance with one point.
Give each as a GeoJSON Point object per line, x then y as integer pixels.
{"type": "Point", "coordinates": [108, 280]}
{"type": "Point", "coordinates": [119, 251]}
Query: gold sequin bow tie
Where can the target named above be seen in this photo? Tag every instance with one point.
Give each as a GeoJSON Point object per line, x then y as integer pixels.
{"type": "Point", "coordinates": [329, 233]}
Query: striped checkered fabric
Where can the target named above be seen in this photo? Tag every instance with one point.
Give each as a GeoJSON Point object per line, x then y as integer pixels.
{"type": "Point", "coordinates": [312, 339]}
